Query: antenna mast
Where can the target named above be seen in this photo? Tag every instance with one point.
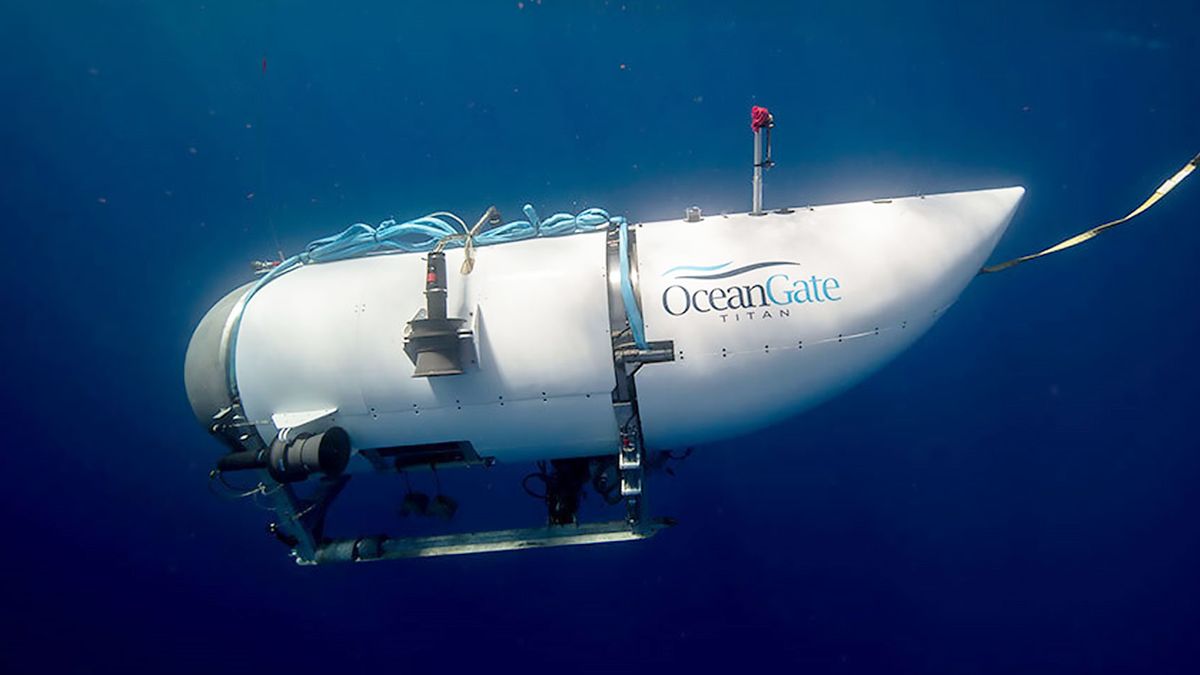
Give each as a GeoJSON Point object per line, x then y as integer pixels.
{"type": "Point", "coordinates": [761, 122]}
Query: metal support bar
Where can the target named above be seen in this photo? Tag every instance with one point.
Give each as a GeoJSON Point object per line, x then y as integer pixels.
{"type": "Point", "coordinates": [301, 522]}
{"type": "Point", "coordinates": [655, 352]}
{"type": "Point", "coordinates": [288, 529]}
{"type": "Point", "coordinates": [758, 174]}
{"type": "Point", "coordinates": [365, 549]}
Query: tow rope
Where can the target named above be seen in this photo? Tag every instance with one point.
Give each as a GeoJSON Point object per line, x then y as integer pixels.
{"type": "Point", "coordinates": [1085, 236]}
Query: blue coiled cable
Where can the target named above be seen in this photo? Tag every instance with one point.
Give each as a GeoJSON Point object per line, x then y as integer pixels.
{"type": "Point", "coordinates": [417, 236]}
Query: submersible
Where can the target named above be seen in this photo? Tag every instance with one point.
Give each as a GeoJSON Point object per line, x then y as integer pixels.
{"type": "Point", "coordinates": [595, 346]}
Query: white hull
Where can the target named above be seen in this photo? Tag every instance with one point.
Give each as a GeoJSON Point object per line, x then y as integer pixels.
{"type": "Point", "coordinates": [896, 265]}
{"type": "Point", "coordinates": [865, 280]}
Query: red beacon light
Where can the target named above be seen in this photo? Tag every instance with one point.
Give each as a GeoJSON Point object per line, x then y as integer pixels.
{"type": "Point", "coordinates": [760, 117]}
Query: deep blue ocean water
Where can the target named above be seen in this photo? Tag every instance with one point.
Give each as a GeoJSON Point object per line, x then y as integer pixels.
{"type": "Point", "coordinates": [1016, 493]}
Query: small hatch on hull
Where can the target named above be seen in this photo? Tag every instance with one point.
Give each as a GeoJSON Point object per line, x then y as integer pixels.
{"type": "Point", "coordinates": [402, 457]}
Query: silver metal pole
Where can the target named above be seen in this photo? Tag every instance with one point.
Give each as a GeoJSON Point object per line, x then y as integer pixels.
{"type": "Point", "coordinates": [758, 171]}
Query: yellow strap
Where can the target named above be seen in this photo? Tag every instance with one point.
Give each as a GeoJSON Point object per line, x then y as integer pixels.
{"type": "Point", "coordinates": [1084, 236]}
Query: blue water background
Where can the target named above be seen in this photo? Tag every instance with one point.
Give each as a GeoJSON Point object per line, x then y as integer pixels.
{"type": "Point", "coordinates": [1016, 493]}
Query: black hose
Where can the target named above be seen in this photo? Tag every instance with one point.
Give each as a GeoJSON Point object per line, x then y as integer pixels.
{"type": "Point", "coordinates": [541, 475]}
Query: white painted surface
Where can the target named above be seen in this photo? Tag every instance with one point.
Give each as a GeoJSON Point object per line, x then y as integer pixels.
{"type": "Point", "coordinates": [897, 264]}
{"type": "Point", "coordinates": [331, 335]}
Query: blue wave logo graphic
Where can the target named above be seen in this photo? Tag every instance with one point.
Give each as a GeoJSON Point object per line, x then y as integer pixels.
{"type": "Point", "coordinates": [719, 271]}
{"type": "Point", "coordinates": [695, 268]}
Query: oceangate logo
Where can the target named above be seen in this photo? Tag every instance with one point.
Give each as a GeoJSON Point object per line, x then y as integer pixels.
{"type": "Point", "coordinates": [704, 289]}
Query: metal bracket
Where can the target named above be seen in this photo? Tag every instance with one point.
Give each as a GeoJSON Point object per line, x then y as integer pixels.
{"type": "Point", "coordinates": [301, 522]}
{"type": "Point", "coordinates": [232, 428]}
{"type": "Point", "coordinates": [629, 463]}
{"type": "Point", "coordinates": [290, 423]}
{"type": "Point", "coordinates": [628, 358]}
{"type": "Point", "coordinates": [467, 340]}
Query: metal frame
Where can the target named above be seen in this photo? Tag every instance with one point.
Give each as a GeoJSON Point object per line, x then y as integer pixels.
{"type": "Point", "coordinates": [627, 359]}
{"type": "Point", "coordinates": [301, 520]}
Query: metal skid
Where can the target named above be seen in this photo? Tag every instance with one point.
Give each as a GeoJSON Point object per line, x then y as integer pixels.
{"type": "Point", "coordinates": [300, 525]}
